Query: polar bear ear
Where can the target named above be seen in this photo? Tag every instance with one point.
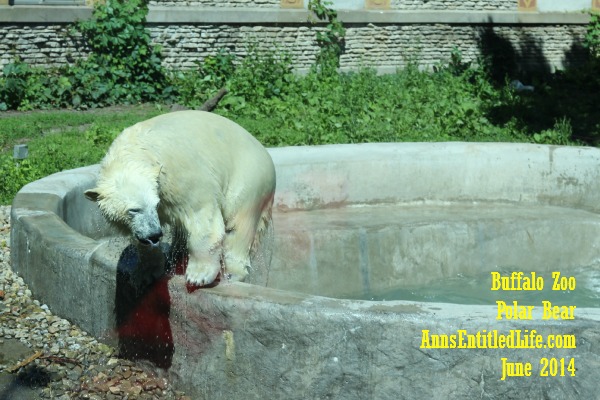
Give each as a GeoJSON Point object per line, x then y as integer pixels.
{"type": "Point", "coordinates": [92, 194]}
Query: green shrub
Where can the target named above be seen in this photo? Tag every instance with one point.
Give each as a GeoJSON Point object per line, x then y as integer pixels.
{"type": "Point", "coordinates": [560, 134]}
{"type": "Point", "coordinates": [410, 105]}
{"type": "Point", "coordinates": [123, 67]}
{"type": "Point", "coordinates": [14, 84]}
{"type": "Point", "coordinates": [102, 136]}
{"type": "Point", "coordinates": [196, 86]}
{"type": "Point", "coordinates": [261, 75]}
{"type": "Point", "coordinates": [330, 40]}
{"type": "Point", "coordinates": [14, 175]}
{"type": "Point", "coordinates": [592, 38]}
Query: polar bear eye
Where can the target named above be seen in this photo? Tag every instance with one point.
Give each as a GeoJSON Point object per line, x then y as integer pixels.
{"type": "Point", "coordinates": [134, 211]}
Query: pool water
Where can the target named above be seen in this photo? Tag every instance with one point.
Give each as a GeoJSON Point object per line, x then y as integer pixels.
{"type": "Point", "coordinates": [477, 290]}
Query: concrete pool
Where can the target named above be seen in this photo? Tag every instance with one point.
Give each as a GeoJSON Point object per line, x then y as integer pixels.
{"type": "Point", "coordinates": [349, 220]}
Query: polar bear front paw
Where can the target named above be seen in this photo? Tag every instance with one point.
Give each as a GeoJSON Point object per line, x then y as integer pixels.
{"type": "Point", "coordinates": [236, 268]}
{"type": "Point", "coordinates": [201, 276]}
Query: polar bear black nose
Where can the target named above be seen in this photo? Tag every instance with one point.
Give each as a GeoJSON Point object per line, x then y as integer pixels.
{"type": "Point", "coordinates": [152, 240]}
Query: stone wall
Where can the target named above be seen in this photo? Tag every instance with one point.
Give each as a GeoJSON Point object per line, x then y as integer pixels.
{"type": "Point", "coordinates": [385, 47]}
{"type": "Point", "coordinates": [384, 40]}
{"type": "Point", "coordinates": [216, 3]}
{"type": "Point", "coordinates": [184, 45]}
{"type": "Point", "coordinates": [39, 45]}
{"type": "Point", "coordinates": [355, 4]}
{"type": "Point", "coordinates": [392, 46]}
{"type": "Point", "coordinates": [478, 5]}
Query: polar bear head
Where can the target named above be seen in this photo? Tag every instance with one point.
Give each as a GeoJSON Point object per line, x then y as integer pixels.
{"type": "Point", "coordinates": [128, 197]}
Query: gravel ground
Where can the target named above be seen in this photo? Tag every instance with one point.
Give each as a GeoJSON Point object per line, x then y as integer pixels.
{"type": "Point", "coordinates": [45, 356]}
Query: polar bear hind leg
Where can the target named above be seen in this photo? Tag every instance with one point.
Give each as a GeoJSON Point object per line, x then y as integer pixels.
{"type": "Point", "coordinates": [206, 231]}
{"type": "Point", "coordinates": [243, 230]}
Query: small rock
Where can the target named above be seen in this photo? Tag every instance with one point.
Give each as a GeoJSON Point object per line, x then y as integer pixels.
{"type": "Point", "coordinates": [161, 383]}
{"type": "Point", "coordinates": [112, 361]}
{"type": "Point", "coordinates": [115, 389]}
{"type": "Point", "coordinates": [75, 373]}
{"type": "Point", "coordinates": [105, 349]}
{"type": "Point", "coordinates": [149, 385]}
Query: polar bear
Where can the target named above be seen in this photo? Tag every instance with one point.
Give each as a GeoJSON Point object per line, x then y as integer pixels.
{"type": "Point", "coordinates": [200, 173]}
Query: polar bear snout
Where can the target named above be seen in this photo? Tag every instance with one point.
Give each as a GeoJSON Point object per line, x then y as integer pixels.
{"type": "Point", "coordinates": [145, 226]}
{"type": "Point", "coordinates": [151, 240]}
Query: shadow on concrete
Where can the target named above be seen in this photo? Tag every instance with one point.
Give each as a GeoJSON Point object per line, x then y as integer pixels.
{"type": "Point", "coordinates": [25, 385]}
{"type": "Point", "coordinates": [568, 97]}
{"type": "Point", "coordinates": [143, 306]}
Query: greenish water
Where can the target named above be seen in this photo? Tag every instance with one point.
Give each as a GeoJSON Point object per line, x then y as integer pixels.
{"type": "Point", "coordinates": [477, 290]}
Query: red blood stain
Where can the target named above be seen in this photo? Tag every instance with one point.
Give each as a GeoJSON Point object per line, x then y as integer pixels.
{"type": "Point", "coordinates": [145, 332]}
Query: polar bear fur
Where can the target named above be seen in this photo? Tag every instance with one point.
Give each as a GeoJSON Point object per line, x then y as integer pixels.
{"type": "Point", "coordinates": [198, 172]}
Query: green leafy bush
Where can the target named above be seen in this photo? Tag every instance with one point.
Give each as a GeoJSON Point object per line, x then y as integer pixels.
{"type": "Point", "coordinates": [195, 86]}
{"type": "Point", "coordinates": [592, 37]}
{"type": "Point", "coordinates": [330, 40]}
{"type": "Point", "coordinates": [14, 84]}
{"type": "Point", "coordinates": [410, 105]}
{"type": "Point", "coordinates": [560, 134]}
{"type": "Point", "coordinates": [13, 175]}
{"type": "Point", "coordinates": [123, 66]}
{"type": "Point", "coordinates": [261, 75]}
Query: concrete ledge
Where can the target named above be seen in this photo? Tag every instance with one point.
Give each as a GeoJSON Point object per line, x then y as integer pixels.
{"type": "Point", "coordinates": [197, 15]}
{"type": "Point", "coordinates": [43, 14]}
{"type": "Point", "coordinates": [161, 15]}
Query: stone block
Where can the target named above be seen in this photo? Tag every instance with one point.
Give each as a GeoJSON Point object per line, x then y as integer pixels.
{"type": "Point", "coordinates": [20, 151]}
{"type": "Point", "coordinates": [527, 5]}
{"type": "Point", "coordinates": [377, 4]}
{"type": "Point", "coordinates": [292, 3]}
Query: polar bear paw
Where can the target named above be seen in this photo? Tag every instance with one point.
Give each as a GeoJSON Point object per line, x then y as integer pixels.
{"type": "Point", "coordinates": [201, 275]}
{"type": "Point", "coordinates": [236, 268]}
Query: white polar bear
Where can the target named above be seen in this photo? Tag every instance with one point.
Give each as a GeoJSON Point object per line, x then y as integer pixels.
{"type": "Point", "coordinates": [198, 172]}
